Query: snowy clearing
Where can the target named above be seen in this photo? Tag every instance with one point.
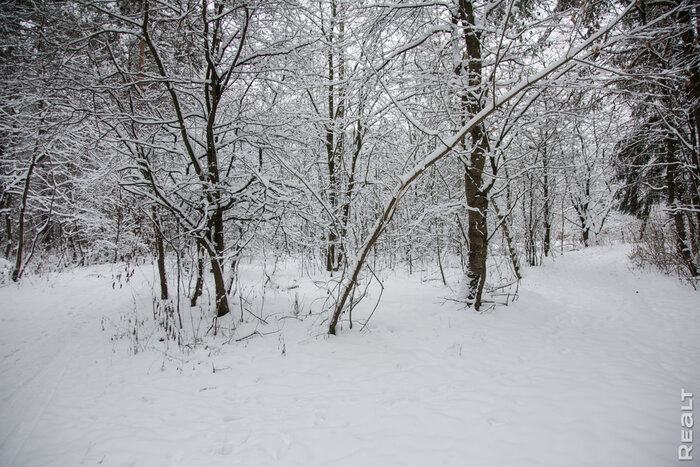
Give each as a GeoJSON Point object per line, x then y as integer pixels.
{"type": "Point", "coordinates": [585, 369]}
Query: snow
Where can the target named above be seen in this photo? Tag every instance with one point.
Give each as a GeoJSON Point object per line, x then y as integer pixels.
{"type": "Point", "coordinates": [585, 369]}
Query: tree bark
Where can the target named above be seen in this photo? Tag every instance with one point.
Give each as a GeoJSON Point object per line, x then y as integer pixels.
{"type": "Point", "coordinates": [547, 241]}
{"type": "Point", "coordinates": [690, 37]}
{"type": "Point", "coordinates": [509, 240]}
{"type": "Point", "coordinates": [8, 228]}
{"type": "Point", "coordinates": [160, 250]}
{"type": "Point", "coordinates": [199, 282]}
{"type": "Point", "coordinates": [475, 193]}
{"type": "Point", "coordinates": [222, 308]}
{"type": "Point", "coordinates": [335, 135]}
{"type": "Point", "coordinates": [477, 230]}
{"type": "Point", "coordinates": [23, 210]}
{"type": "Point", "coordinates": [217, 264]}
{"type": "Point", "coordinates": [682, 246]}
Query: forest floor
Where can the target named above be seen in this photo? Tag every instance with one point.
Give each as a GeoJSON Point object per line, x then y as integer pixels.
{"type": "Point", "coordinates": [584, 369]}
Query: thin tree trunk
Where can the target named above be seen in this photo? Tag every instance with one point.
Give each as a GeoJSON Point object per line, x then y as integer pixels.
{"type": "Point", "coordinates": [693, 234]}
{"type": "Point", "coordinates": [335, 145]}
{"type": "Point", "coordinates": [439, 259]}
{"type": "Point", "coordinates": [8, 228]}
{"type": "Point", "coordinates": [217, 265]}
{"type": "Point", "coordinates": [119, 229]}
{"type": "Point", "coordinates": [22, 212]}
{"type": "Point", "coordinates": [199, 282]}
{"type": "Point", "coordinates": [160, 251]}
{"type": "Point", "coordinates": [678, 219]}
{"type": "Point", "coordinates": [531, 226]}
{"type": "Point", "coordinates": [509, 241]}
{"type": "Point", "coordinates": [217, 269]}
{"type": "Point", "coordinates": [547, 242]}
{"type": "Point", "coordinates": [476, 228]}
{"type": "Point", "coordinates": [585, 234]}
{"type": "Point", "coordinates": [563, 218]}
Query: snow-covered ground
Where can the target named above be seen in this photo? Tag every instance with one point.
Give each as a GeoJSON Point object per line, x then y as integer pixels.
{"type": "Point", "coordinates": [585, 369]}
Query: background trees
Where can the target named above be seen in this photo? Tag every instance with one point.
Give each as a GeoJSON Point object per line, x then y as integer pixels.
{"type": "Point", "coordinates": [181, 90]}
{"type": "Point", "coordinates": [658, 155]}
{"type": "Point", "coordinates": [343, 131]}
{"type": "Point", "coordinates": [44, 136]}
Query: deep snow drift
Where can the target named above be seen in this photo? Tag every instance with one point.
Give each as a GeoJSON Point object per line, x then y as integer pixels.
{"type": "Point", "coordinates": [585, 369]}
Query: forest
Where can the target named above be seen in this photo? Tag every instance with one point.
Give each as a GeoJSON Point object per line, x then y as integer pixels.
{"type": "Point", "coordinates": [239, 166]}
{"type": "Point", "coordinates": [342, 132]}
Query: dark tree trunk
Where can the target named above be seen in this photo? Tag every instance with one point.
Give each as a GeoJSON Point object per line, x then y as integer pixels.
{"type": "Point", "coordinates": [477, 228]}
{"type": "Point", "coordinates": [682, 245]}
{"type": "Point", "coordinates": [217, 269]}
{"type": "Point", "coordinates": [160, 250]}
{"type": "Point", "coordinates": [547, 242]}
{"type": "Point", "coordinates": [22, 213]}
{"type": "Point", "coordinates": [693, 234]}
{"type": "Point", "coordinates": [199, 282]}
{"type": "Point", "coordinates": [117, 236]}
{"type": "Point", "coordinates": [332, 259]}
{"type": "Point", "coordinates": [439, 260]}
{"type": "Point", "coordinates": [690, 37]}
{"type": "Point", "coordinates": [217, 265]}
{"type": "Point", "coordinates": [8, 228]}
{"type": "Point", "coordinates": [690, 40]}
{"type": "Point", "coordinates": [335, 135]}
{"type": "Point", "coordinates": [582, 208]}
{"type": "Point", "coordinates": [585, 234]}
{"type": "Point", "coordinates": [530, 245]}
{"type": "Point", "coordinates": [476, 196]}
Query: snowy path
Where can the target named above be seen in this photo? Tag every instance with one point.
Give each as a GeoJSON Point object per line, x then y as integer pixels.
{"type": "Point", "coordinates": [584, 370]}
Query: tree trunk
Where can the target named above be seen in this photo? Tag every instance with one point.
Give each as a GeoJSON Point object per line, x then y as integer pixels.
{"type": "Point", "coordinates": [217, 265]}
{"type": "Point", "coordinates": [199, 282]}
{"type": "Point", "coordinates": [476, 199]}
{"type": "Point", "coordinates": [476, 224]}
{"type": "Point", "coordinates": [547, 242]}
{"type": "Point", "coordinates": [585, 233]}
{"type": "Point", "coordinates": [160, 250]}
{"type": "Point", "coordinates": [509, 240]}
{"type": "Point", "coordinates": [8, 229]}
{"type": "Point", "coordinates": [217, 269]}
{"type": "Point", "coordinates": [690, 41]}
{"type": "Point", "coordinates": [335, 134]}
{"type": "Point", "coordinates": [682, 245]}
{"type": "Point", "coordinates": [530, 246]}
{"type": "Point", "coordinates": [22, 212]}
{"type": "Point", "coordinates": [332, 259]}
{"type": "Point", "coordinates": [117, 236]}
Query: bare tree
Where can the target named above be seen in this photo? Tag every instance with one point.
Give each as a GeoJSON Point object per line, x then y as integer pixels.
{"type": "Point", "coordinates": [556, 68]}
{"type": "Point", "coordinates": [180, 104]}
